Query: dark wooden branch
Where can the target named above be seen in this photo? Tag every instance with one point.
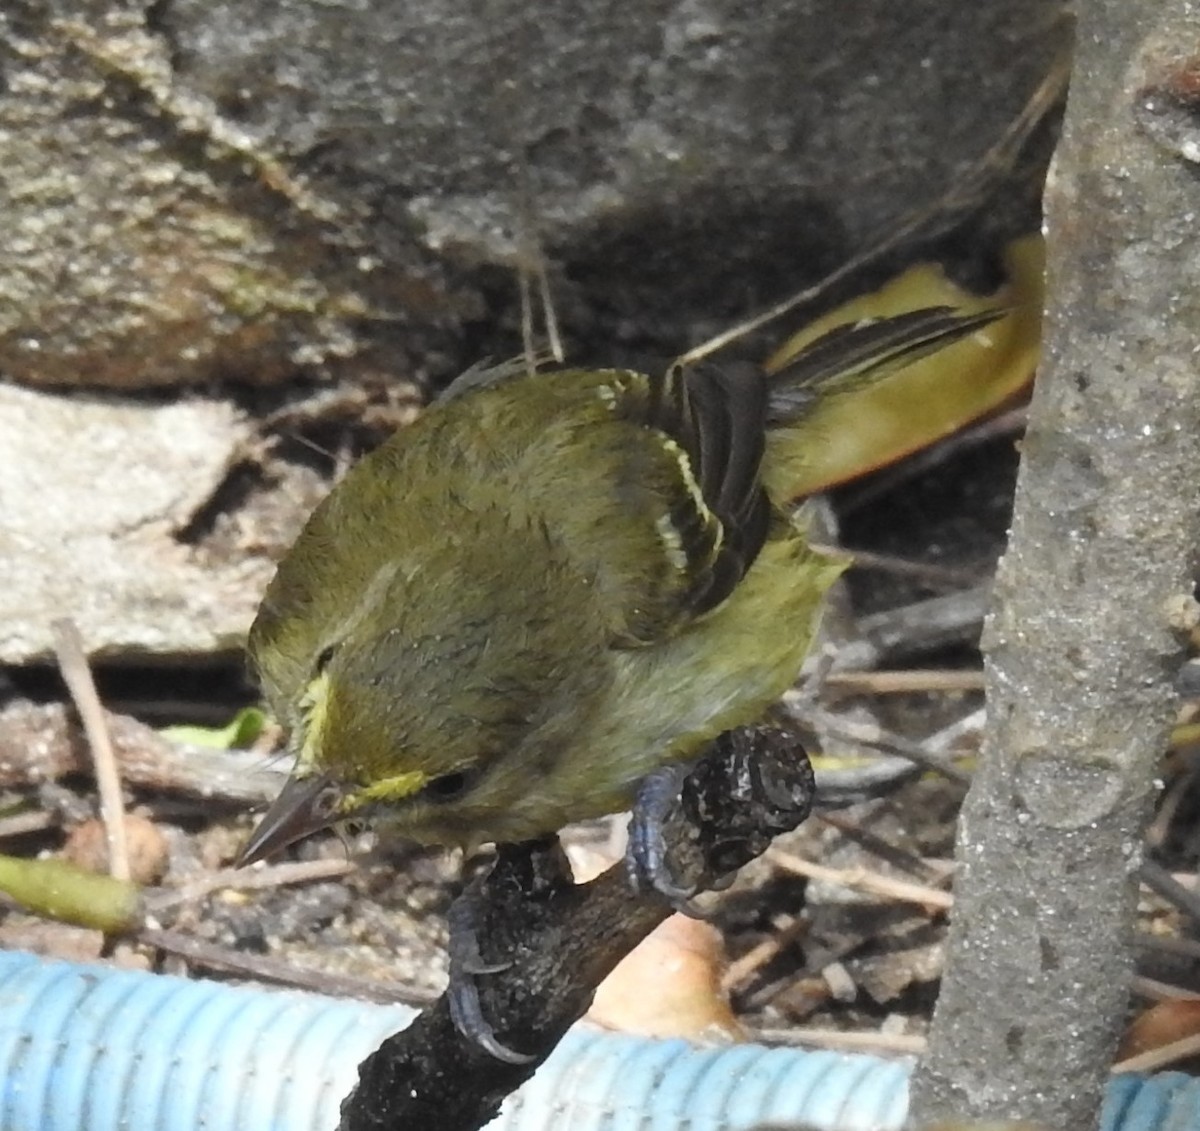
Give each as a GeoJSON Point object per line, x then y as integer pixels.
{"type": "Point", "coordinates": [562, 939]}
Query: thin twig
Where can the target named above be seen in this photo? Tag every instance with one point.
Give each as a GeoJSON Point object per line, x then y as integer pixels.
{"type": "Point", "coordinates": [932, 623]}
{"type": "Point", "coordinates": [1168, 807]}
{"type": "Point", "coordinates": [253, 879]}
{"type": "Point", "coordinates": [20, 824]}
{"type": "Point", "coordinates": [874, 736]}
{"type": "Point", "coordinates": [951, 737]}
{"type": "Point", "coordinates": [894, 854]}
{"type": "Point", "coordinates": [902, 1044]}
{"type": "Point", "coordinates": [38, 743]}
{"type": "Point", "coordinates": [72, 662]}
{"type": "Point", "coordinates": [1168, 944]}
{"type": "Point", "coordinates": [901, 567]}
{"type": "Point", "coordinates": [280, 970]}
{"type": "Point", "coordinates": [530, 257]}
{"type": "Point", "coordinates": [907, 682]}
{"type": "Point", "coordinates": [1160, 881]}
{"type": "Point", "coordinates": [863, 879]}
{"type": "Point", "coordinates": [1154, 990]}
{"type": "Point", "coordinates": [741, 970]}
{"type": "Point", "coordinates": [1160, 1057]}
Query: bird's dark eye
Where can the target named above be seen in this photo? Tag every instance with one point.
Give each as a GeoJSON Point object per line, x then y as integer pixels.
{"type": "Point", "coordinates": [449, 787]}
{"type": "Point", "coordinates": [326, 803]}
{"type": "Point", "coordinates": [324, 656]}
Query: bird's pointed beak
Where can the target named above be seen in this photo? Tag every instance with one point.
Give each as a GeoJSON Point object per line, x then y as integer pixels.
{"type": "Point", "coordinates": [305, 805]}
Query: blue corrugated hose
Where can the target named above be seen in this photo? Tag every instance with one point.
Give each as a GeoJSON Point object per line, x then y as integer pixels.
{"type": "Point", "coordinates": [90, 1048]}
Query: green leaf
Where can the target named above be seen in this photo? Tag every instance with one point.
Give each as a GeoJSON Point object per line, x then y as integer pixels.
{"type": "Point", "coordinates": [239, 733]}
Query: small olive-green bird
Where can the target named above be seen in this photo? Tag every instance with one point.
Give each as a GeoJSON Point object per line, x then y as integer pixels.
{"type": "Point", "coordinates": [550, 585]}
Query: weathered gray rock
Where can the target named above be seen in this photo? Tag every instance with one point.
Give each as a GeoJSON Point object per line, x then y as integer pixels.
{"type": "Point", "coordinates": [206, 189]}
{"type": "Point", "coordinates": [246, 190]}
{"type": "Point", "coordinates": [93, 494]}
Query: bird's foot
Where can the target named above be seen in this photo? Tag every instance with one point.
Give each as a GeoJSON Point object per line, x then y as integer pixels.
{"type": "Point", "coordinates": [646, 859]}
{"type": "Point", "coordinates": [520, 872]}
{"type": "Point", "coordinates": [752, 783]}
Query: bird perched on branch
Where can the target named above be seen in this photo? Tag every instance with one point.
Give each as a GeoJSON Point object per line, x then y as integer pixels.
{"type": "Point", "coordinates": [551, 585]}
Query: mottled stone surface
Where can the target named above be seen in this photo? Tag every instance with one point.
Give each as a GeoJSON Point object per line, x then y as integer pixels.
{"type": "Point", "coordinates": [215, 193]}
{"type": "Point", "coordinates": [95, 494]}
{"type": "Point", "coordinates": [200, 190]}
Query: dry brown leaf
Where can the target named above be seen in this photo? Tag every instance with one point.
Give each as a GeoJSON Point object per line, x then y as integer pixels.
{"type": "Point", "coordinates": [670, 986]}
{"type": "Point", "coordinates": [1163, 1023]}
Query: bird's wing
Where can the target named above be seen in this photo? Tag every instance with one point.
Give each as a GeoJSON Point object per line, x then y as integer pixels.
{"type": "Point", "coordinates": [652, 485]}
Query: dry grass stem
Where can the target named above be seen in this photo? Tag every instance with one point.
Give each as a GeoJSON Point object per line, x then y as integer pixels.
{"type": "Point", "coordinates": [1154, 1059]}
{"type": "Point", "coordinates": [72, 662]}
{"type": "Point", "coordinates": [256, 879]}
{"type": "Point", "coordinates": [907, 682]}
{"type": "Point", "coordinates": [865, 880]}
{"type": "Point", "coordinates": [898, 1044]}
{"type": "Point", "coordinates": [739, 972]}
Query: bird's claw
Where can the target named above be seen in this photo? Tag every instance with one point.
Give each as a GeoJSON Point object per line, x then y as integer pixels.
{"type": "Point", "coordinates": [646, 855]}
{"type": "Point", "coordinates": [467, 964]}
